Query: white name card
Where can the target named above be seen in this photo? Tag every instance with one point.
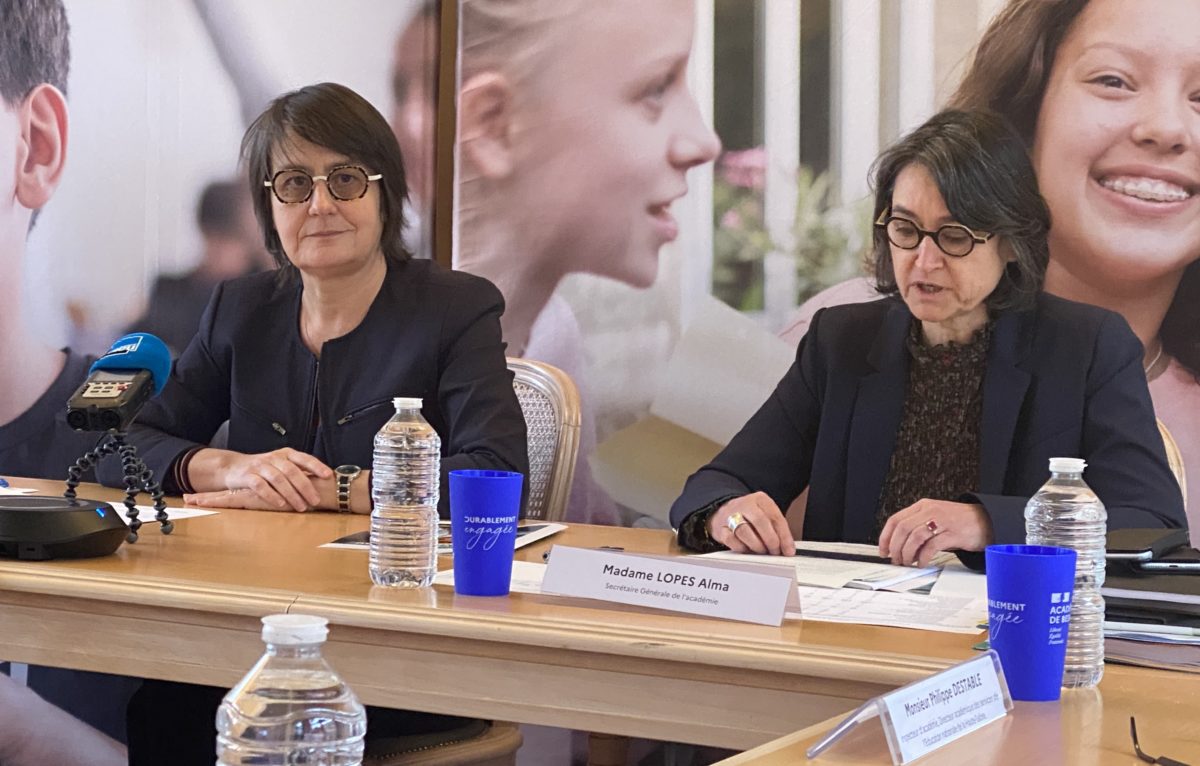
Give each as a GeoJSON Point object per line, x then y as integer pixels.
{"type": "Point", "coordinates": [730, 590]}
{"type": "Point", "coordinates": [933, 712]}
{"type": "Point", "coordinates": [926, 715]}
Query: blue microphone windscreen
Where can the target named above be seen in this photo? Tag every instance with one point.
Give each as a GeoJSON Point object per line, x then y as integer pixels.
{"type": "Point", "coordinates": [138, 351]}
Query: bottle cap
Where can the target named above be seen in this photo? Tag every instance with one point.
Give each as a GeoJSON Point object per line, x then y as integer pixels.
{"type": "Point", "coordinates": [1067, 464]}
{"type": "Point", "coordinates": [292, 629]}
{"type": "Point", "coordinates": [406, 402]}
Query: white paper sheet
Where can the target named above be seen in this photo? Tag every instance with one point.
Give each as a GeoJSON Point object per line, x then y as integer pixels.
{"type": "Point", "coordinates": [896, 610]}
{"type": "Point", "coordinates": [16, 491]}
{"type": "Point", "coordinates": [922, 585]}
{"type": "Point", "coordinates": [146, 512]}
{"type": "Point", "coordinates": [827, 571]}
{"type": "Point", "coordinates": [956, 581]}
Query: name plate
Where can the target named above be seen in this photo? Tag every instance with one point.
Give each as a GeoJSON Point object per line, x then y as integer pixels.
{"type": "Point", "coordinates": [933, 712]}
{"type": "Point", "coordinates": [926, 715]}
{"type": "Point", "coordinates": [729, 590]}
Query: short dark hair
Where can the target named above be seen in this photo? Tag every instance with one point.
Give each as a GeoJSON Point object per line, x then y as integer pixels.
{"type": "Point", "coordinates": [34, 47]}
{"type": "Point", "coordinates": [334, 117]}
{"type": "Point", "coordinates": [984, 174]}
{"type": "Point", "coordinates": [220, 208]}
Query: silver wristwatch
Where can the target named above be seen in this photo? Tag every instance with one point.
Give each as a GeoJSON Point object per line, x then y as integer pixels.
{"type": "Point", "coordinates": [345, 474]}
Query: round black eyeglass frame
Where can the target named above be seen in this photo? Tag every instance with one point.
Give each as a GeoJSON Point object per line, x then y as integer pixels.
{"type": "Point", "coordinates": [885, 219]}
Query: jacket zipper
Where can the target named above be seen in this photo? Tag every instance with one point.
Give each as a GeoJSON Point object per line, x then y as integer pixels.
{"type": "Point", "coordinates": [354, 413]}
{"type": "Point", "coordinates": [275, 425]}
{"type": "Point", "coordinates": [310, 436]}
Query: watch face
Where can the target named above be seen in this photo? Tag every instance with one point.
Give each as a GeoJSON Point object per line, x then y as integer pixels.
{"type": "Point", "coordinates": [347, 470]}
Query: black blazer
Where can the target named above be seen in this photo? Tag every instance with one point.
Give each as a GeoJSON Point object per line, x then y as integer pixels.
{"type": "Point", "coordinates": [430, 332]}
{"type": "Point", "coordinates": [1063, 379]}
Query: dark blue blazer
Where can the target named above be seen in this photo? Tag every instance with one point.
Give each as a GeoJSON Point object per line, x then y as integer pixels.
{"type": "Point", "coordinates": [430, 333]}
{"type": "Point", "coordinates": [1063, 379]}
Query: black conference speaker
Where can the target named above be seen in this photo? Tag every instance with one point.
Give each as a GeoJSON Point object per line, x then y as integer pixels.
{"type": "Point", "coordinates": [39, 528]}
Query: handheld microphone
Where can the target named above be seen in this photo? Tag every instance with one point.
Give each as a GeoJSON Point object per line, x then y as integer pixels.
{"type": "Point", "coordinates": [119, 384]}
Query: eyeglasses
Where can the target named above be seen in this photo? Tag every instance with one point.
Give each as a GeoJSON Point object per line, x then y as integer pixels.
{"type": "Point", "coordinates": [345, 183]}
{"type": "Point", "coordinates": [1162, 759]}
{"type": "Point", "coordinates": [953, 239]}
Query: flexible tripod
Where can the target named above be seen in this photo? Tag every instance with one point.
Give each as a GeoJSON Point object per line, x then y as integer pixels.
{"type": "Point", "coordinates": [138, 478]}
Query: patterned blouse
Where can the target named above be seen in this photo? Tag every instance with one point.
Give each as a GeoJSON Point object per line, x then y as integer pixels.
{"type": "Point", "coordinates": [937, 445]}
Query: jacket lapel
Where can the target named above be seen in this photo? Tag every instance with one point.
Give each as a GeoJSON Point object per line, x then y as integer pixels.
{"type": "Point", "coordinates": [1004, 387]}
{"type": "Point", "coordinates": [877, 411]}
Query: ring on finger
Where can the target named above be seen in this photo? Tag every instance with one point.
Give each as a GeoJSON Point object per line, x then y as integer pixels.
{"type": "Point", "coordinates": [734, 521]}
{"type": "Point", "coordinates": [934, 529]}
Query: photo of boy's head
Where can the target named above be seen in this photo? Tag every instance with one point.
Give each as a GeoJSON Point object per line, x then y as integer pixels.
{"type": "Point", "coordinates": [34, 60]}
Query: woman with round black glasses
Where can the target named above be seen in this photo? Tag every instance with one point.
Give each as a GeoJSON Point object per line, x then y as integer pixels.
{"type": "Point", "coordinates": [924, 421]}
{"type": "Point", "coordinates": [304, 362]}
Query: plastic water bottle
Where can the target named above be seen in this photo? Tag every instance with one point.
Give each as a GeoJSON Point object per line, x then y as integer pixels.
{"type": "Point", "coordinates": [1066, 513]}
{"type": "Point", "coordinates": [405, 475]}
{"type": "Point", "coordinates": [291, 708]}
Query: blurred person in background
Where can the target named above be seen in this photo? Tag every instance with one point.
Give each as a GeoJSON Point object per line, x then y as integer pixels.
{"type": "Point", "coordinates": [414, 114]}
{"type": "Point", "coordinates": [232, 248]}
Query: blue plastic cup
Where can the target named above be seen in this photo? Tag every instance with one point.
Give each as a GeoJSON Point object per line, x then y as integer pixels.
{"type": "Point", "coordinates": [484, 506]}
{"type": "Point", "coordinates": [1029, 589]}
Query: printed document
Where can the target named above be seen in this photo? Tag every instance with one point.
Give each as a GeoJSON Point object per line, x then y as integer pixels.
{"type": "Point", "coordinates": [843, 565]}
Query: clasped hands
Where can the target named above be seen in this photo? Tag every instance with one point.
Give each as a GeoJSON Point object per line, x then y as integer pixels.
{"type": "Point", "coordinates": [908, 537]}
{"type": "Point", "coordinates": [280, 480]}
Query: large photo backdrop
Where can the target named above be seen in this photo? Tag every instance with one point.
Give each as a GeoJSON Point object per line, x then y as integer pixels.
{"type": "Point", "coordinates": [666, 192]}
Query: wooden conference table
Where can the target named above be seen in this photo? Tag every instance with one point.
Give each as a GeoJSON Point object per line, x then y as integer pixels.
{"type": "Point", "coordinates": [186, 607]}
{"type": "Point", "coordinates": [1087, 727]}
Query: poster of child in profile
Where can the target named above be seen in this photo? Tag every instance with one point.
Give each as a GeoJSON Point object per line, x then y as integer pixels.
{"type": "Point", "coordinates": [1105, 95]}
{"type": "Point", "coordinates": [576, 134]}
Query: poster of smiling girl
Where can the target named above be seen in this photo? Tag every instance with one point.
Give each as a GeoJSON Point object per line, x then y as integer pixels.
{"type": "Point", "coordinates": [1107, 97]}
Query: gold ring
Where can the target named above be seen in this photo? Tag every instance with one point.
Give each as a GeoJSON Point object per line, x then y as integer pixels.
{"type": "Point", "coordinates": [734, 521]}
{"type": "Point", "coordinates": [932, 526]}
